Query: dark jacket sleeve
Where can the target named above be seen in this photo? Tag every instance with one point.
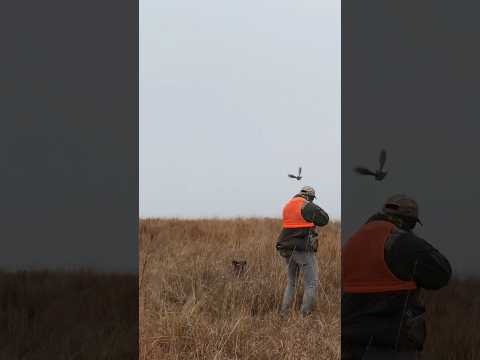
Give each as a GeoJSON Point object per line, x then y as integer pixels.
{"type": "Point", "coordinates": [410, 257]}
{"type": "Point", "coordinates": [314, 213]}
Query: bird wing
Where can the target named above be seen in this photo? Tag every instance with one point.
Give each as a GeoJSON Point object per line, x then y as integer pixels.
{"type": "Point", "coordinates": [383, 158]}
{"type": "Point", "coordinates": [363, 171]}
{"type": "Point", "coordinates": [292, 176]}
{"type": "Point", "coordinates": [299, 171]}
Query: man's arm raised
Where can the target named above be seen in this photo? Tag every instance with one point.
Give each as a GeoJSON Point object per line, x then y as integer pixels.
{"type": "Point", "coordinates": [314, 213]}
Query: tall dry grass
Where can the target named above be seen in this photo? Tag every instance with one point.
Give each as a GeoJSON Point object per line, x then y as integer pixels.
{"type": "Point", "coordinates": [453, 322]}
{"type": "Point", "coordinates": [78, 315]}
{"type": "Point", "coordinates": [192, 306]}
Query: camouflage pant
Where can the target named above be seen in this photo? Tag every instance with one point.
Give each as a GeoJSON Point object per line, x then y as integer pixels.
{"type": "Point", "coordinates": [307, 263]}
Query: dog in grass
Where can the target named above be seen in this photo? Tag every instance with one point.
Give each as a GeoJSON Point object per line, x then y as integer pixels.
{"type": "Point", "coordinates": [239, 267]}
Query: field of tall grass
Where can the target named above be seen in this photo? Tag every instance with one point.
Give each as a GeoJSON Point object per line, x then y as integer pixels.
{"type": "Point", "coordinates": [453, 321]}
{"type": "Point", "coordinates": [81, 315]}
{"type": "Point", "coordinates": [189, 303]}
{"type": "Point", "coordinates": [193, 306]}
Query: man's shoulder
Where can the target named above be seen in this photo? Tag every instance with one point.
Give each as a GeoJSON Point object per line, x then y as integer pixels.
{"type": "Point", "coordinates": [407, 240]}
{"type": "Point", "coordinates": [296, 198]}
{"type": "Point", "coordinates": [314, 213]}
{"type": "Point", "coordinates": [311, 204]}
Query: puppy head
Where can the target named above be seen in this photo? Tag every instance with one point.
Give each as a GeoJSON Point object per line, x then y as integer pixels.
{"type": "Point", "coordinates": [239, 266]}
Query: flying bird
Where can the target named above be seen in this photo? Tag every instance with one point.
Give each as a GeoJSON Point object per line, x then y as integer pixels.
{"type": "Point", "coordinates": [379, 174]}
{"type": "Point", "coordinates": [298, 177]}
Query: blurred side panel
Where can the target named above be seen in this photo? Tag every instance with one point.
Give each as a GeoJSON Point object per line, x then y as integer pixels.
{"type": "Point", "coordinates": [69, 187]}
{"type": "Point", "coordinates": [410, 80]}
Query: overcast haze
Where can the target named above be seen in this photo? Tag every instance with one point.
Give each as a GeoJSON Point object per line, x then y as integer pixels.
{"type": "Point", "coordinates": [233, 96]}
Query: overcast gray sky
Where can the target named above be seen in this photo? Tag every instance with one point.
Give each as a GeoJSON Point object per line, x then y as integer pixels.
{"type": "Point", "coordinates": [412, 89]}
{"type": "Point", "coordinates": [233, 96]}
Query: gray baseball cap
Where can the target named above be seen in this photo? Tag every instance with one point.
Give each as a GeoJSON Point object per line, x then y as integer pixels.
{"type": "Point", "coordinates": [308, 190]}
{"type": "Point", "coordinates": [402, 205]}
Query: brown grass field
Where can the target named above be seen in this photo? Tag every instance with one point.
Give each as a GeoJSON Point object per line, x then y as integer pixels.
{"type": "Point", "coordinates": [453, 322]}
{"type": "Point", "coordinates": [81, 315]}
{"type": "Point", "coordinates": [190, 305]}
{"type": "Point", "coordinates": [193, 307]}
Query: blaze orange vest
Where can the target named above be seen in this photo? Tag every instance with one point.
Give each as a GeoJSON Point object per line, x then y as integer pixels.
{"type": "Point", "coordinates": [363, 263]}
{"type": "Point", "coordinates": [292, 214]}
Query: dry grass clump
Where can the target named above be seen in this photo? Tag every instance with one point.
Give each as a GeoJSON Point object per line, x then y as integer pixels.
{"type": "Point", "coordinates": [193, 306]}
{"type": "Point", "coordinates": [79, 315]}
{"type": "Point", "coordinates": [453, 322]}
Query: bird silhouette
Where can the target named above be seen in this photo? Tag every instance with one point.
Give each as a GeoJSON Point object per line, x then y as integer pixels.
{"type": "Point", "coordinates": [379, 174]}
{"type": "Point", "coordinates": [298, 177]}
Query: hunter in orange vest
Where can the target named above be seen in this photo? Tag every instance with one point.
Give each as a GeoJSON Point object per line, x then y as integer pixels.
{"type": "Point", "coordinates": [297, 243]}
{"type": "Point", "coordinates": [384, 266]}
